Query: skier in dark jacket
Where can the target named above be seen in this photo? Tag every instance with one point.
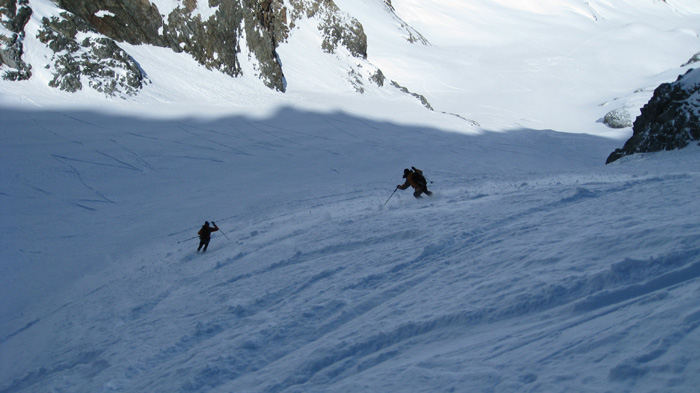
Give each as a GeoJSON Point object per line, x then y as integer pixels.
{"type": "Point", "coordinates": [414, 178]}
{"type": "Point", "coordinates": [205, 235]}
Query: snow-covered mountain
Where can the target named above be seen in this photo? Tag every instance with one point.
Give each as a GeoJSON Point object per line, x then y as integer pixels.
{"type": "Point", "coordinates": [495, 64]}
{"type": "Point", "coordinates": [533, 267]}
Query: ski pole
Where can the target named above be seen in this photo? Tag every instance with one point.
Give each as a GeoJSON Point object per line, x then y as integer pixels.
{"type": "Point", "coordinates": [182, 241]}
{"type": "Point", "coordinates": [222, 232]}
{"type": "Point", "coordinates": [392, 194]}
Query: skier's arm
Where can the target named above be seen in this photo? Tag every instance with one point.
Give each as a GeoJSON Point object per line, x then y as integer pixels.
{"type": "Point", "coordinates": [404, 186]}
{"type": "Point", "coordinates": [216, 228]}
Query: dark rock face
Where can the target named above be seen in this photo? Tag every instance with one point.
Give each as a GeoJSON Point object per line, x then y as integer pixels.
{"type": "Point", "coordinates": [14, 17]}
{"type": "Point", "coordinates": [213, 42]}
{"type": "Point", "coordinates": [132, 21]}
{"type": "Point", "coordinates": [671, 119]}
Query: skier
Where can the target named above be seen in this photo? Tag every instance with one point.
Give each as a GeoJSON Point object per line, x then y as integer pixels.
{"type": "Point", "coordinates": [415, 179]}
{"type": "Point", "coordinates": [205, 235]}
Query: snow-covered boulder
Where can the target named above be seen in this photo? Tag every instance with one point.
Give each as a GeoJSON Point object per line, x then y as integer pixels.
{"type": "Point", "coordinates": [618, 118]}
{"type": "Point", "coordinates": [671, 119]}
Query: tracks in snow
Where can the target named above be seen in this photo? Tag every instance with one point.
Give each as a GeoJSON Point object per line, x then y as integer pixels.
{"type": "Point", "coordinates": [338, 287]}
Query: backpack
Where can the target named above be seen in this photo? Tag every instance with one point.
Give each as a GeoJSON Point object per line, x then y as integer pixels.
{"type": "Point", "coordinates": [419, 179]}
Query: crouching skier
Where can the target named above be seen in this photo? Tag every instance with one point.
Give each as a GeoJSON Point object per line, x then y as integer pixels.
{"type": "Point", "coordinates": [205, 235]}
{"type": "Point", "coordinates": [415, 179]}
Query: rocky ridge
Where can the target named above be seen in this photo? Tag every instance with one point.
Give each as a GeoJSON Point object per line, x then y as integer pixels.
{"type": "Point", "coordinates": [85, 35]}
{"type": "Point", "coordinates": [98, 59]}
{"type": "Point", "coordinates": [671, 119]}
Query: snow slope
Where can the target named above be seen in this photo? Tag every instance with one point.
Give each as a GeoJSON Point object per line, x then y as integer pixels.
{"type": "Point", "coordinates": [539, 64]}
{"type": "Point", "coordinates": [534, 267]}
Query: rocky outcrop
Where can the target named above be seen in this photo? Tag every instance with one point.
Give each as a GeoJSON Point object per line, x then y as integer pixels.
{"type": "Point", "coordinates": [214, 41]}
{"type": "Point", "coordinates": [420, 97]}
{"type": "Point", "coordinates": [219, 39]}
{"type": "Point", "coordinates": [671, 119]}
{"type": "Point", "coordinates": [14, 17]}
{"type": "Point", "coordinates": [694, 59]}
{"type": "Point", "coordinates": [413, 36]}
{"type": "Point", "coordinates": [216, 38]}
{"type": "Point", "coordinates": [337, 27]}
{"type": "Point", "coordinates": [231, 37]}
{"type": "Point", "coordinates": [94, 58]}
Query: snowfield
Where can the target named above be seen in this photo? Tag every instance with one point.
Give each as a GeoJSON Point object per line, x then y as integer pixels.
{"type": "Point", "coordinates": [534, 267]}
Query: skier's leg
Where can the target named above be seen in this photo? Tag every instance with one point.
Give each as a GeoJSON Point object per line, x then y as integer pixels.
{"type": "Point", "coordinates": [206, 244]}
{"type": "Point", "coordinates": [201, 243]}
{"type": "Point", "coordinates": [417, 193]}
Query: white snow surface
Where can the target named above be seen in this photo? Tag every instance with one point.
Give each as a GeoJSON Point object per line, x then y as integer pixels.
{"type": "Point", "coordinates": [533, 267]}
